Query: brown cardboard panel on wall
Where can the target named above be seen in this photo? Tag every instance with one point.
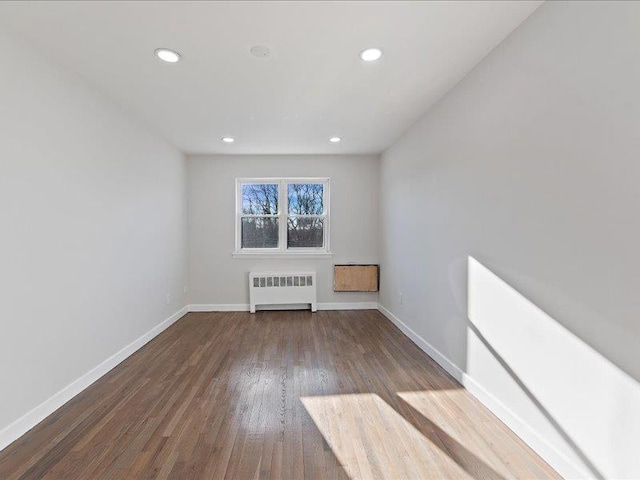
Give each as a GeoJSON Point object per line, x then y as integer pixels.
{"type": "Point", "coordinates": [355, 278]}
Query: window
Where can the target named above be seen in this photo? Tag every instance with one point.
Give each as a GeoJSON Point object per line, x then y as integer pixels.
{"type": "Point", "coordinates": [282, 215]}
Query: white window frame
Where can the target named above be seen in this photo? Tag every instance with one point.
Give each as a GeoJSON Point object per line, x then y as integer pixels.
{"type": "Point", "coordinates": [283, 213]}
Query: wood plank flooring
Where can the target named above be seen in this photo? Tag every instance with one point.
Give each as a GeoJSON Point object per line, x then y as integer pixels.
{"type": "Point", "coordinates": [289, 395]}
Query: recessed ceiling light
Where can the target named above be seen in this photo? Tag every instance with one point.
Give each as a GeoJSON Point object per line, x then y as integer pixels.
{"type": "Point", "coordinates": [335, 139]}
{"type": "Point", "coordinates": [228, 139]}
{"type": "Point", "coordinates": [371, 54]}
{"type": "Point", "coordinates": [167, 55]}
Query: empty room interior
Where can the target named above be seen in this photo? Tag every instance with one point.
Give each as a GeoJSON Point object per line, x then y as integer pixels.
{"type": "Point", "coordinates": [319, 240]}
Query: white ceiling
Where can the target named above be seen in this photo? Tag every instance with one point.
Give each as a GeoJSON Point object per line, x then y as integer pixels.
{"type": "Point", "coordinates": [312, 87]}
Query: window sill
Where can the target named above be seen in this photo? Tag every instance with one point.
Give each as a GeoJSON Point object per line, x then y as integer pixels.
{"type": "Point", "coordinates": [280, 255]}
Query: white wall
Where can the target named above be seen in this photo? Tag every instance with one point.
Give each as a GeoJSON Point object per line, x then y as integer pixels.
{"type": "Point", "coordinates": [217, 278]}
{"type": "Point", "coordinates": [530, 166]}
{"type": "Point", "coordinates": [92, 229]}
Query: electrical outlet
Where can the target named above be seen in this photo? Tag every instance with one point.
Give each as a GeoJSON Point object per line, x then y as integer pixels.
{"type": "Point", "coordinates": [186, 289]}
{"type": "Point", "coordinates": [168, 299]}
{"type": "Point", "coordinates": [400, 298]}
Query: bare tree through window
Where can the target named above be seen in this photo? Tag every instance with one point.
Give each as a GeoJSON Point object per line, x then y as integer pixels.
{"type": "Point", "coordinates": [304, 212]}
{"type": "Point", "coordinates": [261, 229]}
{"type": "Point", "coordinates": [305, 226]}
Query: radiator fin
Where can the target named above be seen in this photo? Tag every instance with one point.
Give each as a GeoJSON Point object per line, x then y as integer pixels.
{"type": "Point", "coordinates": [277, 281]}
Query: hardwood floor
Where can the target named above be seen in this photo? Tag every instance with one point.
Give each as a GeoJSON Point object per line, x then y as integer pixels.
{"type": "Point", "coordinates": [274, 395]}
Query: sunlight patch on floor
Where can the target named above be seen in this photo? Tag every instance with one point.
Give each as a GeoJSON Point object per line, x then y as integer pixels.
{"type": "Point", "coordinates": [372, 440]}
{"type": "Point", "coordinates": [466, 426]}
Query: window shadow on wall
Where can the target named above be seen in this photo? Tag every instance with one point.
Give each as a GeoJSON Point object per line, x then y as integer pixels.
{"type": "Point", "coordinates": [520, 354]}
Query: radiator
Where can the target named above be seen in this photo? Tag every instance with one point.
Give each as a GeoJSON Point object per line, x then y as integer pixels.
{"type": "Point", "coordinates": [279, 288]}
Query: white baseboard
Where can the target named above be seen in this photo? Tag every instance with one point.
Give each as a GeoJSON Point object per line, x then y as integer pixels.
{"type": "Point", "coordinates": [219, 307]}
{"type": "Point", "coordinates": [526, 432]}
{"type": "Point", "coordinates": [244, 307]}
{"type": "Point", "coordinates": [25, 423]}
{"type": "Point", "coordinates": [425, 346]}
{"type": "Point", "coordinates": [555, 458]}
{"type": "Point", "coordinates": [348, 306]}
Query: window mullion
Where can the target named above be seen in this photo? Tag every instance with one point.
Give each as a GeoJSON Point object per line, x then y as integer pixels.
{"type": "Point", "coordinates": [283, 209]}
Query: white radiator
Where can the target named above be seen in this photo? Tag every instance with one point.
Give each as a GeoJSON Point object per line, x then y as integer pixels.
{"type": "Point", "coordinates": [278, 288]}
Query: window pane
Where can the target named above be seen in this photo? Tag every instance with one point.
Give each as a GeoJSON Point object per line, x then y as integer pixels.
{"type": "Point", "coordinates": [306, 198]}
{"type": "Point", "coordinates": [260, 198]}
{"type": "Point", "coordinates": [260, 232]}
{"type": "Point", "coordinates": [305, 232]}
